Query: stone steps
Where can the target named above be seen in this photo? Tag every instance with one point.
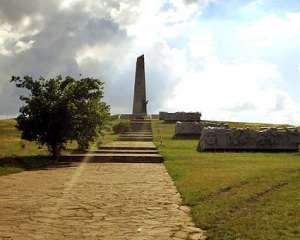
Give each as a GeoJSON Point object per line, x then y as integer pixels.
{"type": "Point", "coordinates": [140, 129]}
{"type": "Point", "coordinates": [139, 132]}
{"type": "Point", "coordinates": [113, 157]}
{"type": "Point", "coordinates": [126, 145]}
{"type": "Point", "coordinates": [150, 139]}
{"type": "Point", "coordinates": [132, 151]}
{"type": "Point", "coordinates": [140, 126]}
{"type": "Point", "coordinates": [135, 135]}
{"type": "Point", "coordinates": [135, 146]}
{"type": "Point", "coordinates": [127, 148]}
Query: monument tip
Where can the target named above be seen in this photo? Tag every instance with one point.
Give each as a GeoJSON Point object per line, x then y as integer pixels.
{"type": "Point", "coordinates": [140, 57]}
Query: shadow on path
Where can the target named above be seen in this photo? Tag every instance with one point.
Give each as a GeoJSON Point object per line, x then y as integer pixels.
{"type": "Point", "coordinates": [33, 163]}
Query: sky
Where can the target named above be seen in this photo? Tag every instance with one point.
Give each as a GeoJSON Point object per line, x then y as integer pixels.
{"type": "Point", "coordinates": [235, 60]}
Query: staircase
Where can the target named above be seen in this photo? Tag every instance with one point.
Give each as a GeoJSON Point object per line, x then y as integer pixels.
{"type": "Point", "coordinates": [134, 146]}
{"type": "Point", "coordinates": [140, 130]}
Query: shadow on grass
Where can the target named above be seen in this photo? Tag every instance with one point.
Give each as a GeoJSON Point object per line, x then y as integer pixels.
{"type": "Point", "coordinates": [30, 163]}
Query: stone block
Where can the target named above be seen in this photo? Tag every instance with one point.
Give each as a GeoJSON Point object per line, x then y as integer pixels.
{"type": "Point", "coordinates": [162, 115]}
{"type": "Point", "coordinates": [180, 116]}
{"type": "Point", "coordinates": [194, 129]}
{"type": "Point", "coordinates": [188, 129]}
{"type": "Point", "coordinates": [239, 139]}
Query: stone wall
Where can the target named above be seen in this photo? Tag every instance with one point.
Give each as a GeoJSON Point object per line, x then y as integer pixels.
{"type": "Point", "coordinates": [193, 129]}
{"type": "Point", "coordinates": [180, 116]}
{"type": "Point", "coordinates": [188, 129]}
{"type": "Point", "coordinates": [265, 139]}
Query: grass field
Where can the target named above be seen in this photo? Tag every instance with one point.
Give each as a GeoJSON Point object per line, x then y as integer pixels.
{"type": "Point", "coordinates": [16, 154]}
{"type": "Point", "coordinates": [235, 195]}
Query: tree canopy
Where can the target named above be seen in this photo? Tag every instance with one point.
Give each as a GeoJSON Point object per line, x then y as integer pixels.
{"type": "Point", "coordinates": [58, 110]}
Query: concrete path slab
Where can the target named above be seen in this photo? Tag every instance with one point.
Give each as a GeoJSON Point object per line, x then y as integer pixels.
{"type": "Point", "coordinates": [94, 201]}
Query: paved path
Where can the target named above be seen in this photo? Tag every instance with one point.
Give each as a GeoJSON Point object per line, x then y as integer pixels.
{"type": "Point", "coordinates": [133, 144]}
{"type": "Point", "coordinates": [104, 201]}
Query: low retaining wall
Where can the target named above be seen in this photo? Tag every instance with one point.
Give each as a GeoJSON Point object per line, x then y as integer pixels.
{"type": "Point", "coordinates": [180, 116]}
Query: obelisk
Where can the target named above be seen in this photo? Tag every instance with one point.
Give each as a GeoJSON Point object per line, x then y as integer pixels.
{"type": "Point", "coordinates": [139, 101]}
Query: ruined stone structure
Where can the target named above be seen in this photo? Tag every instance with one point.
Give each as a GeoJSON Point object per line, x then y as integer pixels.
{"type": "Point", "coordinates": [265, 139]}
{"type": "Point", "coordinates": [180, 116]}
{"type": "Point", "coordinates": [194, 129]}
{"type": "Point", "coordinates": [139, 101]}
{"type": "Point", "coordinates": [162, 115]}
{"type": "Point", "coordinates": [188, 129]}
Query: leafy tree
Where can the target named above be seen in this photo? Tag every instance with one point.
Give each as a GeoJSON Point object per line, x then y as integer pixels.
{"type": "Point", "coordinates": [59, 110]}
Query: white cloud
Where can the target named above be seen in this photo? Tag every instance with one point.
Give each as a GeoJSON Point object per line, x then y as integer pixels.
{"type": "Point", "coordinates": [226, 90]}
{"type": "Point", "coordinates": [67, 4]}
{"type": "Point", "coordinates": [23, 46]}
{"type": "Point", "coordinates": [11, 35]}
{"type": "Point", "coordinates": [201, 48]}
{"type": "Point", "coordinates": [98, 52]}
{"type": "Point", "coordinates": [272, 31]}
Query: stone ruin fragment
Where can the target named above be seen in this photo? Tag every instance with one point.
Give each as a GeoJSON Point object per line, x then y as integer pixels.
{"type": "Point", "coordinates": [194, 129]}
{"type": "Point", "coordinates": [180, 116]}
{"type": "Point", "coordinates": [239, 139]}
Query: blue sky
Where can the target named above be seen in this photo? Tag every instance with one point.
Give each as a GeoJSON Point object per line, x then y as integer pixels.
{"type": "Point", "coordinates": [231, 60]}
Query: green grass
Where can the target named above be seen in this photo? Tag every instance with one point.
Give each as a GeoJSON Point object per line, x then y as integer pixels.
{"type": "Point", "coordinates": [11, 145]}
{"type": "Point", "coordinates": [235, 195]}
{"type": "Point", "coordinates": [252, 125]}
{"type": "Point", "coordinates": [17, 155]}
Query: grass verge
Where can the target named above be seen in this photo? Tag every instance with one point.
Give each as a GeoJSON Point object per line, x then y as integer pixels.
{"type": "Point", "coordinates": [235, 195]}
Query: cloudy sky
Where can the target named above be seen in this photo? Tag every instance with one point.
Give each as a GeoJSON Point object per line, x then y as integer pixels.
{"type": "Point", "coordinates": [229, 59]}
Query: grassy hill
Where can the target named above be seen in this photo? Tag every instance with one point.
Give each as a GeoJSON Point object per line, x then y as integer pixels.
{"type": "Point", "coordinates": [12, 145]}
{"type": "Point", "coordinates": [235, 195]}
{"type": "Point", "coordinates": [17, 155]}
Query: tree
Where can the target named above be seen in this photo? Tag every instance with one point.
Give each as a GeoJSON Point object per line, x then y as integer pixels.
{"type": "Point", "coordinates": [59, 110]}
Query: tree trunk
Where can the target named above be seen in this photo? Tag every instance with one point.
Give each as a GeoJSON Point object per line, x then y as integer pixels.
{"type": "Point", "coordinates": [55, 151]}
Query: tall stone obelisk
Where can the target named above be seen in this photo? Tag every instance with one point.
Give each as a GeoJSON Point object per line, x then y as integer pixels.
{"type": "Point", "coordinates": [139, 101]}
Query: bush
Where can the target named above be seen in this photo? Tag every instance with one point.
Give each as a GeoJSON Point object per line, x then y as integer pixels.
{"type": "Point", "coordinates": [121, 127]}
